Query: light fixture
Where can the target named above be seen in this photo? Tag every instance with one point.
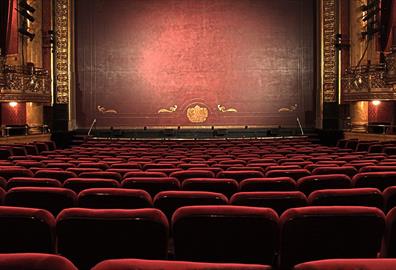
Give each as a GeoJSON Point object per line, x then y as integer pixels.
{"type": "Point", "coordinates": [376, 102]}
{"type": "Point", "coordinates": [13, 104]}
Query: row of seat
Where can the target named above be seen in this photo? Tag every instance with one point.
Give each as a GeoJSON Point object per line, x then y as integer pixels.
{"type": "Point", "coordinates": [34, 261]}
{"type": "Point", "coordinates": [56, 199]}
{"type": "Point", "coordinates": [222, 233]}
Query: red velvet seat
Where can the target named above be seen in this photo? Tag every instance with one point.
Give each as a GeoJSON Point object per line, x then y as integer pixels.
{"type": "Point", "coordinates": [239, 176]}
{"type": "Point", "coordinates": [10, 172]}
{"type": "Point", "coordinates": [114, 198]}
{"type": "Point", "coordinates": [185, 174]}
{"type": "Point", "coordinates": [355, 196]}
{"type": "Point", "coordinates": [26, 230]}
{"type": "Point", "coordinates": [234, 234]}
{"type": "Point", "coordinates": [380, 180]}
{"type": "Point", "coordinates": [77, 171]}
{"type": "Point", "coordinates": [311, 183]}
{"type": "Point", "coordinates": [100, 165]}
{"type": "Point", "coordinates": [144, 174]}
{"type": "Point", "coordinates": [347, 170]}
{"type": "Point", "coordinates": [136, 264]}
{"type": "Point", "coordinates": [377, 168]}
{"type": "Point", "coordinates": [224, 186]}
{"type": "Point", "coordinates": [169, 201]}
{"type": "Point", "coordinates": [279, 201]}
{"type": "Point", "coordinates": [158, 166]}
{"type": "Point", "coordinates": [325, 232]}
{"type": "Point", "coordinates": [294, 173]}
{"type": "Point", "coordinates": [52, 199]}
{"type": "Point", "coordinates": [152, 185]}
{"type": "Point", "coordinates": [55, 174]}
{"type": "Point", "coordinates": [88, 236]}
{"type": "Point", "coordinates": [34, 261]}
{"type": "Point", "coordinates": [348, 264]}
{"type": "Point", "coordinates": [389, 246]}
{"type": "Point", "coordinates": [389, 195]}
{"type": "Point", "coordinates": [103, 175]}
{"type": "Point", "coordinates": [62, 165]}
{"type": "Point", "coordinates": [268, 184]}
{"type": "Point", "coordinates": [78, 184]}
{"type": "Point", "coordinates": [128, 165]}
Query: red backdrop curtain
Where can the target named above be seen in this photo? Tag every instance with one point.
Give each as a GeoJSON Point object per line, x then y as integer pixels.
{"type": "Point", "coordinates": [388, 21]}
{"type": "Point", "coordinates": [6, 8]}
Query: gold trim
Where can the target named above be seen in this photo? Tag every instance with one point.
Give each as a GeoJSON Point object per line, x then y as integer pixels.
{"type": "Point", "coordinates": [223, 109]}
{"type": "Point", "coordinates": [170, 110]}
{"type": "Point", "coordinates": [197, 114]}
{"type": "Point", "coordinates": [329, 55]}
{"type": "Point", "coordinates": [62, 48]}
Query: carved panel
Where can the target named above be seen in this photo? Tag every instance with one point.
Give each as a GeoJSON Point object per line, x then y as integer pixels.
{"type": "Point", "coordinates": [62, 48]}
{"type": "Point", "coordinates": [329, 55]}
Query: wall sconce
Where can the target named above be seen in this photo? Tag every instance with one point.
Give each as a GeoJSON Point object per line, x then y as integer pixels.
{"type": "Point", "coordinates": [376, 102]}
{"type": "Point", "coordinates": [13, 104]}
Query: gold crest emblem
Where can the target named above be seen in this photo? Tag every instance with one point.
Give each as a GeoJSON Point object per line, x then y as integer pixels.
{"type": "Point", "coordinates": [197, 114]}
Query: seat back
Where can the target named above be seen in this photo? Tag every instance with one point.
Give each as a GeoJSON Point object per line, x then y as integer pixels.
{"type": "Point", "coordinates": [232, 234]}
{"type": "Point", "coordinates": [220, 185]}
{"type": "Point", "coordinates": [34, 261]}
{"type": "Point", "coordinates": [88, 236]}
{"type": "Point", "coordinates": [325, 232]}
{"type": "Point", "coordinates": [316, 182]}
{"type": "Point", "coordinates": [348, 264]}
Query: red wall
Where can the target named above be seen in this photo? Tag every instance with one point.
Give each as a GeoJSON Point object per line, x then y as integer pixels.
{"type": "Point", "coordinates": [382, 113]}
{"type": "Point", "coordinates": [137, 57]}
{"type": "Point", "coordinates": [13, 115]}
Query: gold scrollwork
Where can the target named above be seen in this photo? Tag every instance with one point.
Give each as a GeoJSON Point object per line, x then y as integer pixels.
{"type": "Point", "coordinates": [170, 110]}
{"type": "Point", "coordinates": [224, 109]}
{"type": "Point", "coordinates": [197, 114]}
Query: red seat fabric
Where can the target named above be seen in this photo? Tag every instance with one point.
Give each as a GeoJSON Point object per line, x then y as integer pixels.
{"type": "Point", "coordinates": [380, 180]}
{"type": "Point", "coordinates": [79, 184]}
{"type": "Point", "coordinates": [169, 201]}
{"type": "Point", "coordinates": [348, 264]}
{"type": "Point", "coordinates": [294, 173]}
{"type": "Point", "coordinates": [389, 195]}
{"type": "Point", "coordinates": [240, 175]}
{"type": "Point", "coordinates": [26, 230]}
{"type": "Point", "coordinates": [185, 174]}
{"type": "Point", "coordinates": [136, 264]}
{"type": "Point", "coordinates": [355, 196]}
{"type": "Point", "coordinates": [34, 261]}
{"type": "Point", "coordinates": [144, 174]}
{"type": "Point", "coordinates": [347, 170]}
{"type": "Point", "coordinates": [222, 233]}
{"type": "Point", "coordinates": [152, 185]}
{"type": "Point", "coordinates": [55, 174]}
{"type": "Point", "coordinates": [220, 185]}
{"type": "Point", "coordinates": [117, 233]}
{"type": "Point", "coordinates": [114, 198]}
{"type": "Point", "coordinates": [8, 173]}
{"type": "Point", "coordinates": [311, 183]}
{"type": "Point", "coordinates": [51, 199]}
{"type": "Point", "coordinates": [279, 201]}
{"type": "Point", "coordinates": [104, 175]}
{"type": "Point", "coordinates": [268, 184]}
{"type": "Point", "coordinates": [32, 182]}
{"type": "Point", "coordinates": [325, 232]}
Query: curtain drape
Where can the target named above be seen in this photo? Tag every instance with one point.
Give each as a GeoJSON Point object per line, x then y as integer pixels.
{"type": "Point", "coordinates": [6, 7]}
{"type": "Point", "coordinates": [388, 21]}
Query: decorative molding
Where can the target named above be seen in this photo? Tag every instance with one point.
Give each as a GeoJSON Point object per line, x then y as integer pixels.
{"type": "Point", "coordinates": [329, 55]}
{"type": "Point", "coordinates": [197, 114]}
{"type": "Point", "coordinates": [170, 110]}
{"type": "Point", "coordinates": [62, 49]}
{"type": "Point", "coordinates": [223, 109]}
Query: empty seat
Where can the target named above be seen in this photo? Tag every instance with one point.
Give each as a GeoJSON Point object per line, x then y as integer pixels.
{"type": "Point", "coordinates": [55, 174]}
{"type": "Point", "coordinates": [128, 165]}
{"type": "Point", "coordinates": [377, 168]}
{"type": "Point", "coordinates": [294, 173]}
{"type": "Point", "coordinates": [108, 198]}
{"type": "Point", "coordinates": [347, 170]}
{"type": "Point", "coordinates": [81, 170]}
{"type": "Point", "coordinates": [51, 199]}
{"type": "Point", "coordinates": [10, 172]}
{"type": "Point", "coordinates": [268, 184]}
{"type": "Point", "coordinates": [348, 264]}
{"type": "Point", "coordinates": [169, 201]}
{"type": "Point", "coordinates": [144, 174]}
{"type": "Point", "coordinates": [105, 175]}
{"type": "Point", "coordinates": [324, 232]}
{"type": "Point", "coordinates": [136, 264]}
{"type": "Point", "coordinates": [311, 183]}
{"type": "Point", "coordinates": [236, 234]}
{"type": "Point", "coordinates": [220, 185]}
{"type": "Point", "coordinates": [389, 195]}
{"type": "Point", "coordinates": [389, 246]}
{"type": "Point", "coordinates": [26, 230]}
{"type": "Point", "coordinates": [32, 182]}
{"type": "Point", "coordinates": [79, 184]}
{"type": "Point", "coordinates": [354, 196]}
{"type": "Point", "coordinates": [185, 174]}
{"type": "Point", "coordinates": [380, 180]}
{"type": "Point", "coordinates": [240, 175]}
{"type": "Point", "coordinates": [100, 165]}
{"type": "Point", "coordinates": [279, 201]}
{"type": "Point", "coordinates": [34, 261]}
{"type": "Point", "coordinates": [88, 236]}
{"type": "Point", "coordinates": [152, 185]}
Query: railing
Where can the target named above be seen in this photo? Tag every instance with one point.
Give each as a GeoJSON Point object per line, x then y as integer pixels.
{"type": "Point", "coordinates": [24, 130]}
{"type": "Point", "coordinates": [24, 83]}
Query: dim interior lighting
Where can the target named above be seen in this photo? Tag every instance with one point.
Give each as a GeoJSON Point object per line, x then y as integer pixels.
{"type": "Point", "coordinates": [376, 102]}
{"type": "Point", "coordinates": [13, 103]}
